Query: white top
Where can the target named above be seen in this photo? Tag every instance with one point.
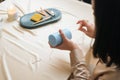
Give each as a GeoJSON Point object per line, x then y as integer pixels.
{"type": "Point", "coordinates": [25, 53]}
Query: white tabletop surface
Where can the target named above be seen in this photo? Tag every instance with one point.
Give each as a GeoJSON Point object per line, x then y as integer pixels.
{"type": "Point", "coordinates": [25, 53]}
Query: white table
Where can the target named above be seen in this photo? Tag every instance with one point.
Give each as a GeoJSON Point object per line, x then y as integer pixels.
{"type": "Point", "coordinates": [26, 55]}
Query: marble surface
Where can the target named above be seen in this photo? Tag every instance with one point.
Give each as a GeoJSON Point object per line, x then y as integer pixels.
{"type": "Point", "coordinates": [25, 53]}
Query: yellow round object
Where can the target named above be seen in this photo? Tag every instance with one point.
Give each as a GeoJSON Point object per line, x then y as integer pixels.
{"type": "Point", "coordinates": [36, 17]}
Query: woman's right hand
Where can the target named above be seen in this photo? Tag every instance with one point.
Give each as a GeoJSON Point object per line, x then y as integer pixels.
{"type": "Point", "coordinates": [67, 44]}
{"type": "Point", "coordinates": [87, 28]}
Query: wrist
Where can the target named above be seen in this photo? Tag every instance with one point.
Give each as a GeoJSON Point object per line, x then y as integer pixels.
{"type": "Point", "coordinates": [74, 46]}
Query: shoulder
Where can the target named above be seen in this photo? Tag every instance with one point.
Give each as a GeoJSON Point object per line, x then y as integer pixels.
{"type": "Point", "coordinates": [106, 73]}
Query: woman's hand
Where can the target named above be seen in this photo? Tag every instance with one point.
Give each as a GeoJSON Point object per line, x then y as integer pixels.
{"type": "Point", "coordinates": [87, 28]}
{"type": "Point", "coordinates": [67, 44]}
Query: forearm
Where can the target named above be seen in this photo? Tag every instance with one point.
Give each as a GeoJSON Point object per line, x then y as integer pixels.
{"type": "Point", "coordinates": [78, 64]}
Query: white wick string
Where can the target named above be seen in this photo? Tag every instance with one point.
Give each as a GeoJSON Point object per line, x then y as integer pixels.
{"type": "Point", "coordinates": [29, 6]}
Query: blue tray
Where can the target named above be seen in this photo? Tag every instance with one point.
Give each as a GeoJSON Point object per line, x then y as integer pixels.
{"type": "Point", "coordinates": [25, 21]}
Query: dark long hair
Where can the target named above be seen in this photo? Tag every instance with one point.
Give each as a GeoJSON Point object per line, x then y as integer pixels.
{"type": "Point", "coordinates": [107, 40]}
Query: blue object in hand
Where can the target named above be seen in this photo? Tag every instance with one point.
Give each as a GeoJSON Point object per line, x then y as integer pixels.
{"type": "Point", "coordinates": [56, 39]}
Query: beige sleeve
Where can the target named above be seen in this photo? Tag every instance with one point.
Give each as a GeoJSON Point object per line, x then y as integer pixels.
{"type": "Point", "coordinates": [78, 64]}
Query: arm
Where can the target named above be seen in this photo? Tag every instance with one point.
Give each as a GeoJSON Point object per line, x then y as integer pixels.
{"type": "Point", "coordinates": [79, 68]}
{"type": "Point", "coordinates": [78, 64]}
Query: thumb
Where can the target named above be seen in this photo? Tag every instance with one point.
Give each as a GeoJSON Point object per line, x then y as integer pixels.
{"type": "Point", "coordinates": [85, 31]}
{"type": "Point", "coordinates": [62, 35]}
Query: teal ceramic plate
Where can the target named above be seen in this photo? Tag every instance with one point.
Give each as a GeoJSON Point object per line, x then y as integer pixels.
{"type": "Point", "coordinates": [25, 21]}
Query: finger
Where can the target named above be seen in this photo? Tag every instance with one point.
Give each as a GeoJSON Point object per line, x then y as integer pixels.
{"type": "Point", "coordinates": [62, 34]}
{"type": "Point", "coordinates": [50, 45]}
{"type": "Point", "coordinates": [83, 30]}
{"type": "Point", "coordinates": [80, 27]}
{"type": "Point", "coordinates": [59, 47]}
{"type": "Point", "coordinates": [87, 23]}
{"type": "Point", "coordinates": [79, 22]}
{"type": "Point", "coordinates": [83, 22]}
